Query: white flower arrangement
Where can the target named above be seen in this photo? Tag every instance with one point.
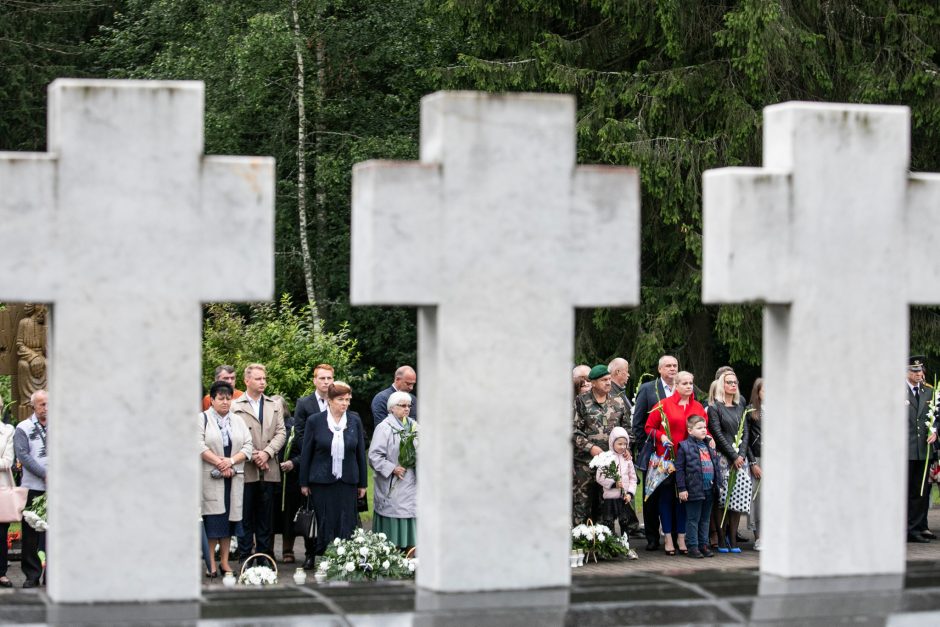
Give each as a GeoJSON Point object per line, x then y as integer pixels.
{"type": "Point", "coordinates": [258, 576]}
{"type": "Point", "coordinates": [599, 540]}
{"type": "Point", "coordinates": [603, 459]}
{"type": "Point", "coordinates": [35, 516]}
{"type": "Point", "coordinates": [366, 556]}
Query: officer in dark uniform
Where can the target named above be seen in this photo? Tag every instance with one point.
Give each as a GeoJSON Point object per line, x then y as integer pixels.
{"type": "Point", "coordinates": [920, 445]}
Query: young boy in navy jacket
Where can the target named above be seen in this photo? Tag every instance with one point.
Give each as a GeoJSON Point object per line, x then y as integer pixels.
{"type": "Point", "coordinates": [696, 477]}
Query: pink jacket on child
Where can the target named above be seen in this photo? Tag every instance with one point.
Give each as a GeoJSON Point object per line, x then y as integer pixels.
{"type": "Point", "coordinates": [624, 465]}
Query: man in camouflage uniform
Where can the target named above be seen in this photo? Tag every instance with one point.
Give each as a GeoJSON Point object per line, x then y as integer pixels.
{"type": "Point", "coordinates": [596, 413]}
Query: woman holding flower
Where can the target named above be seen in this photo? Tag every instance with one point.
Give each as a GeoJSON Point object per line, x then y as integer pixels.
{"type": "Point", "coordinates": [395, 489]}
{"type": "Point", "coordinates": [333, 466]}
{"type": "Point", "coordinates": [729, 428]}
{"type": "Point", "coordinates": [666, 425]}
{"type": "Point", "coordinates": [224, 446]}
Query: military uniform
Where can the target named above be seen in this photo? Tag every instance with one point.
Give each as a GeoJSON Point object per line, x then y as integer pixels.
{"type": "Point", "coordinates": [593, 422]}
{"type": "Point", "coordinates": [917, 452]}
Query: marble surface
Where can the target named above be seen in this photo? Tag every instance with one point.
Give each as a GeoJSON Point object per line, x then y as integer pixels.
{"type": "Point", "coordinates": [820, 236]}
{"type": "Point", "coordinates": [684, 597]}
{"type": "Point", "coordinates": [492, 234]}
{"type": "Point", "coordinates": [127, 228]}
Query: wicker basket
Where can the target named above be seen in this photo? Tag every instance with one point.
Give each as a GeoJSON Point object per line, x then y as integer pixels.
{"type": "Point", "coordinates": [249, 559]}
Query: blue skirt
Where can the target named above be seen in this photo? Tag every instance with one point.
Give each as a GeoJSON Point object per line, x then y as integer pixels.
{"type": "Point", "coordinates": [218, 525]}
{"type": "Point", "coordinates": [335, 505]}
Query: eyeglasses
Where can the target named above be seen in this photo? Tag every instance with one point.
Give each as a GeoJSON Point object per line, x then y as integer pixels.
{"type": "Point", "coordinates": [731, 382]}
{"type": "Point", "coordinates": [403, 405]}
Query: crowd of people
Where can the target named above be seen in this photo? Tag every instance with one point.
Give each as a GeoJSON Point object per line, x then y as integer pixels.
{"type": "Point", "coordinates": [695, 466]}
{"type": "Point", "coordinates": [683, 453]}
{"type": "Point", "coordinates": [699, 463]}
{"type": "Point", "coordinates": [262, 462]}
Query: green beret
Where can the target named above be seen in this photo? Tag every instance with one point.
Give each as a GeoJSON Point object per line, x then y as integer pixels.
{"type": "Point", "coordinates": [597, 372]}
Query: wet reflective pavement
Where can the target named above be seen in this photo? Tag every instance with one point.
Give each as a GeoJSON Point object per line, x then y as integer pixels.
{"type": "Point", "coordinates": [682, 597]}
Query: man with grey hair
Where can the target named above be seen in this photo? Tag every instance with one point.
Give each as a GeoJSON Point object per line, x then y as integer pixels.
{"type": "Point", "coordinates": [405, 380]}
{"type": "Point", "coordinates": [651, 393]}
{"type": "Point", "coordinates": [223, 373]}
{"type": "Point", "coordinates": [619, 369]}
{"type": "Point", "coordinates": [29, 444]}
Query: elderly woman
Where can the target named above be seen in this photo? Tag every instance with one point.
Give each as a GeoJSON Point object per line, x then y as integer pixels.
{"type": "Point", "coordinates": [395, 488]}
{"type": "Point", "coordinates": [6, 480]}
{"type": "Point", "coordinates": [225, 445]}
{"type": "Point", "coordinates": [674, 412]}
{"type": "Point", "coordinates": [725, 419]}
{"type": "Point", "coordinates": [333, 466]}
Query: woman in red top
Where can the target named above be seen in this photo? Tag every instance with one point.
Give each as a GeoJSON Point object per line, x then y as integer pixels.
{"type": "Point", "coordinates": [677, 408]}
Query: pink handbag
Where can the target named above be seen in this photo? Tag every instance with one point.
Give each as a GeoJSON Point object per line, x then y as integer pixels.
{"type": "Point", "coordinates": [12, 501]}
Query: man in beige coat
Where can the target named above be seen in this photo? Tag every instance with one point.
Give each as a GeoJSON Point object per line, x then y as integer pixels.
{"type": "Point", "coordinates": [265, 421]}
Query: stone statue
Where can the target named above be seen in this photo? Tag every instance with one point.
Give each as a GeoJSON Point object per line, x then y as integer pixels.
{"type": "Point", "coordinates": [31, 352]}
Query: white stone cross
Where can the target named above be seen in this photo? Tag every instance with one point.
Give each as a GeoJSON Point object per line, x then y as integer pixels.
{"type": "Point", "coordinates": [127, 228]}
{"type": "Point", "coordinates": [497, 236]}
{"type": "Point", "coordinates": [836, 239]}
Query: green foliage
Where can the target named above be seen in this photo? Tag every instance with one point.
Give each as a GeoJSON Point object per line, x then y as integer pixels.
{"type": "Point", "coordinates": [672, 87]}
{"type": "Point", "coordinates": [678, 87]}
{"type": "Point", "coordinates": [282, 338]}
{"type": "Point", "coordinates": [362, 103]}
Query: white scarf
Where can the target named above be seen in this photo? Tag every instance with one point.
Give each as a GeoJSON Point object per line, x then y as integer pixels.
{"type": "Point", "coordinates": [225, 426]}
{"type": "Point", "coordinates": [337, 448]}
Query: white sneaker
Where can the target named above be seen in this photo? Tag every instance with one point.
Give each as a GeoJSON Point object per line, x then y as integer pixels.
{"type": "Point", "coordinates": [631, 555]}
{"type": "Point", "coordinates": [757, 545]}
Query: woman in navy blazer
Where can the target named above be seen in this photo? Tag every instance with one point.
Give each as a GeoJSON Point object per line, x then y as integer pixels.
{"type": "Point", "coordinates": [333, 466]}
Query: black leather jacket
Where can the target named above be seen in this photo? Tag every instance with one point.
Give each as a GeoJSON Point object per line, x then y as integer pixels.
{"type": "Point", "coordinates": [723, 424]}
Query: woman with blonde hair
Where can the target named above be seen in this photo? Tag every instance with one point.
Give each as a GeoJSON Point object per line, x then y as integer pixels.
{"type": "Point", "coordinates": [725, 418]}
{"type": "Point", "coordinates": [666, 425]}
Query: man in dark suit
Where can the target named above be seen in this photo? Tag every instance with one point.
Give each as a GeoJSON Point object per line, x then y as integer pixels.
{"type": "Point", "coordinates": [651, 393]}
{"type": "Point", "coordinates": [919, 447]}
{"type": "Point", "coordinates": [308, 406]}
{"type": "Point", "coordinates": [405, 380]}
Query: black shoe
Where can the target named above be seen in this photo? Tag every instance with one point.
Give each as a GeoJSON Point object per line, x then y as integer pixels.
{"type": "Point", "coordinates": [31, 583]}
{"type": "Point", "coordinates": [694, 554]}
{"type": "Point", "coordinates": [652, 546]}
{"type": "Point", "coordinates": [705, 551]}
{"type": "Point", "coordinates": [927, 533]}
{"type": "Point", "coordinates": [917, 538]}
{"type": "Point", "coordinates": [308, 563]}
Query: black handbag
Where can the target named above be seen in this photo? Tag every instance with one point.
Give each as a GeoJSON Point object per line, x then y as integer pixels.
{"type": "Point", "coordinates": [362, 505]}
{"type": "Point", "coordinates": [305, 521]}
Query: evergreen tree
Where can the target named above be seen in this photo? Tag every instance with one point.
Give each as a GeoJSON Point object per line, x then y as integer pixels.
{"type": "Point", "coordinates": [678, 87]}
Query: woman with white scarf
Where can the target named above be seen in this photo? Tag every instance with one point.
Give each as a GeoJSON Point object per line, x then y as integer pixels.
{"type": "Point", "coordinates": [333, 466]}
{"type": "Point", "coordinates": [224, 445]}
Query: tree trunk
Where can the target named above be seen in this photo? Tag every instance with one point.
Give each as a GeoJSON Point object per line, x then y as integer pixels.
{"type": "Point", "coordinates": [306, 258]}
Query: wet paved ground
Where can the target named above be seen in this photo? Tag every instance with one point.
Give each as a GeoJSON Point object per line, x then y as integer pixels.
{"type": "Point", "coordinates": [654, 590]}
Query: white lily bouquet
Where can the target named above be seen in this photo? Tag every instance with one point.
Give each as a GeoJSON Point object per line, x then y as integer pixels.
{"type": "Point", "coordinates": [35, 516]}
{"type": "Point", "coordinates": [599, 541]}
{"type": "Point", "coordinates": [366, 556]}
{"type": "Point", "coordinates": [258, 576]}
{"type": "Point", "coordinates": [607, 462]}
